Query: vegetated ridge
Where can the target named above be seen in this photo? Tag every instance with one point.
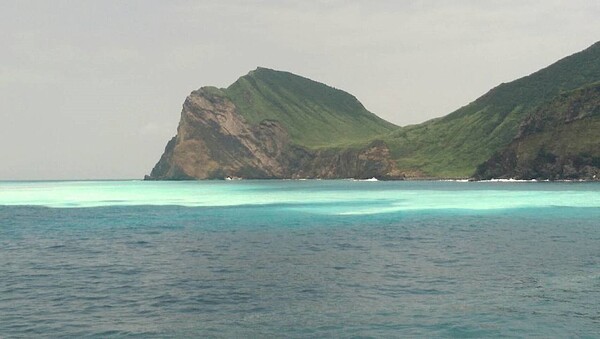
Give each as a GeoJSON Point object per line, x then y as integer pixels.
{"type": "Point", "coordinates": [454, 145]}
{"type": "Point", "coordinates": [560, 140]}
{"type": "Point", "coordinates": [273, 124]}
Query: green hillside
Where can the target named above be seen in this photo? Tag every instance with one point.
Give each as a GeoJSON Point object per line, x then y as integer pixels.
{"type": "Point", "coordinates": [559, 140]}
{"type": "Point", "coordinates": [314, 114]}
{"type": "Point", "coordinates": [454, 145]}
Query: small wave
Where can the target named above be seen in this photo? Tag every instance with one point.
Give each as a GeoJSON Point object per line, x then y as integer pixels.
{"type": "Point", "coordinates": [371, 179]}
{"type": "Point", "coordinates": [455, 180]}
{"type": "Point", "coordinates": [508, 180]}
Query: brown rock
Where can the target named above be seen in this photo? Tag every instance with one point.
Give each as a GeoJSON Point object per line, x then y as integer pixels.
{"type": "Point", "coordinates": [215, 142]}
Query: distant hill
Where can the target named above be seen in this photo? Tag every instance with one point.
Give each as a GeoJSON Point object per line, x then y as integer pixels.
{"type": "Point", "coordinates": [274, 124]}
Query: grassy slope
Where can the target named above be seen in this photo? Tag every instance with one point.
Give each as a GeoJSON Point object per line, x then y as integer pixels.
{"type": "Point", "coordinates": [315, 114]}
{"type": "Point", "coordinates": [567, 125]}
{"type": "Point", "coordinates": [556, 141]}
{"type": "Point", "coordinates": [454, 145]}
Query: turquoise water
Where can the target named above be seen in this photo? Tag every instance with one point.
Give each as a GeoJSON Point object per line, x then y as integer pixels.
{"type": "Point", "coordinates": [299, 259]}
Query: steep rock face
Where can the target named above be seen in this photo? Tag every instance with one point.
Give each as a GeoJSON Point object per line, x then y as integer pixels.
{"type": "Point", "coordinates": [558, 141]}
{"type": "Point", "coordinates": [214, 141]}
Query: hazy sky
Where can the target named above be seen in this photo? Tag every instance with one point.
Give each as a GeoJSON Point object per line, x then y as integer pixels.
{"type": "Point", "coordinates": [93, 89]}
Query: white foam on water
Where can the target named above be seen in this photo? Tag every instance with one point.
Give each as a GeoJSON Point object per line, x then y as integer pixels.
{"type": "Point", "coordinates": [455, 180]}
{"type": "Point", "coordinates": [370, 179]}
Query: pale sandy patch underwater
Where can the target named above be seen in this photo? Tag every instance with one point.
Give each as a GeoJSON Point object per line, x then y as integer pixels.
{"type": "Point", "coordinates": [375, 197]}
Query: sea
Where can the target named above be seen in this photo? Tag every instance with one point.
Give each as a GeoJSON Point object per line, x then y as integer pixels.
{"type": "Point", "coordinates": [299, 259]}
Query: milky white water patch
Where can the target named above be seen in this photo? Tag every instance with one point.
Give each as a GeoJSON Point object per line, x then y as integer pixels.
{"type": "Point", "coordinates": [341, 197]}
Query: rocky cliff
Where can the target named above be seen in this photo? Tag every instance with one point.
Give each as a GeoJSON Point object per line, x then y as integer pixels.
{"type": "Point", "coordinates": [215, 141]}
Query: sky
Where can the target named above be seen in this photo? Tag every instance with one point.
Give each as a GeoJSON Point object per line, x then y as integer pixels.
{"type": "Point", "coordinates": [93, 89]}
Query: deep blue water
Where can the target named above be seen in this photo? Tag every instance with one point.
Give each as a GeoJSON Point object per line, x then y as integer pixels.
{"type": "Point", "coordinates": [336, 260]}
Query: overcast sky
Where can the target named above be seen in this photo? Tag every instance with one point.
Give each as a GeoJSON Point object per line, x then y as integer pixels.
{"type": "Point", "coordinates": [93, 89]}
